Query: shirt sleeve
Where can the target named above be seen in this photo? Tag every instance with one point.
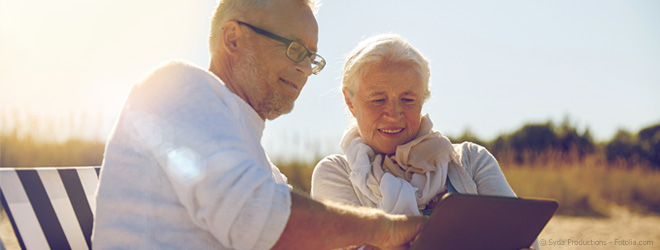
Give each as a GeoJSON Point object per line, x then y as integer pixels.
{"type": "Point", "coordinates": [485, 171]}
{"type": "Point", "coordinates": [330, 181]}
{"type": "Point", "coordinates": [203, 150]}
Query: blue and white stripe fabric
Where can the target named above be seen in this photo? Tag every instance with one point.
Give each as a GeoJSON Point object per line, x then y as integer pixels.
{"type": "Point", "coordinates": [50, 208]}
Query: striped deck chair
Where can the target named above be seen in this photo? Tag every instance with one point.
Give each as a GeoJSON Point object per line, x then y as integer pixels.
{"type": "Point", "coordinates": [50, 208]}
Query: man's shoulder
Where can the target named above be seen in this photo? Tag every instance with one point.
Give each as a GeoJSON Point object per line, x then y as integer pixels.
{"type": "Point", "coordinates": [178, 71]}
{"type": "Point", "coordinates": [176, 79]}
{"type": "Point", "coordinates": [179, 87]}
{"type": "Point", "coordinates": [178, 65]}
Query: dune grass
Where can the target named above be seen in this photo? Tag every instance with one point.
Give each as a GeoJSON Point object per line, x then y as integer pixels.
{"type": "Point", "coordinates": [582, 189]}
{"type": "Point", "coordinates": [27, 140]}
{"type": "Point", "coordinates": [586, 186]}
{"type": "Point", "coordinates": [26, 152]}
{"type": "Point", "coordinates": [588, 190]}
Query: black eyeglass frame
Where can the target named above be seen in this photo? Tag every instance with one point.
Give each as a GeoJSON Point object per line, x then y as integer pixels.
{"type": "Point", "coordinates": [317, 66]}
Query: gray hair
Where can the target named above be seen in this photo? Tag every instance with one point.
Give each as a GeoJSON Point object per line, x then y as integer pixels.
{"type": "Point", "coordinates": [385, 47]}
{"type": "Point", "coordinates": [232, 9]}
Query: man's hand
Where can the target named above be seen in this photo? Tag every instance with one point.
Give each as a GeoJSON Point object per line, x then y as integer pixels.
{"type": "Point", "coordinates": [317, 225]}
{"type": "Point", "coordinates": [398, 231]}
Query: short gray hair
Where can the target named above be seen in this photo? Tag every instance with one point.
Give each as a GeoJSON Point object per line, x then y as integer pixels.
{"type": "Point", "coordinates": [232, 9]}
{"type": "Point", "coordinates": [385, 47]}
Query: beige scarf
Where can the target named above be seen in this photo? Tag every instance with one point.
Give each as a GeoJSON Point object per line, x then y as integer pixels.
{"type": "Point", "coordinates": [406, 181]}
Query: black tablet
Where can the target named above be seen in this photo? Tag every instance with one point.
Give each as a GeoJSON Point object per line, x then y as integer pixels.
{"type": "Point", "coordinates": [485, 222]}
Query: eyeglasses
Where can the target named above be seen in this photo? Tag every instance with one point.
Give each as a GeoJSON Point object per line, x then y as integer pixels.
{"type": "Point", "coordinates": [295, 51]}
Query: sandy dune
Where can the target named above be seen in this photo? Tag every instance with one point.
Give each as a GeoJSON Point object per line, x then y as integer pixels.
{"type": "Point", "coordinates": [623, 230]}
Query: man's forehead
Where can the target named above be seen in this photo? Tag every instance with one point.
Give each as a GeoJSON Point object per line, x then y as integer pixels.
{"type": "Point", "coordinates": [291, 19]}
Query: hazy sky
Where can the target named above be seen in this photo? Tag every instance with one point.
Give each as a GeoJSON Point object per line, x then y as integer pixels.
{"type": "Point", "coordinates": [495, 65]}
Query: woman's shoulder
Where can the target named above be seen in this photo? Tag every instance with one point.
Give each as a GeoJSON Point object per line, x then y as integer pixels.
{"type": "Point", "coordinates": [331, 167]}
{"type": "Point", "coordinates": [473, 156]}
{"type": "Point", "coordinates": [467, 147]}
{"type": "Point", "coordinates": [330, 181]}
{"type": "Point", "coordinates": [334, 161]}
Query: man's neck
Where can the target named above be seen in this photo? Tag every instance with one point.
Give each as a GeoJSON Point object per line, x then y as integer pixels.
{"type": "Point", "coordinates": [224, 72]}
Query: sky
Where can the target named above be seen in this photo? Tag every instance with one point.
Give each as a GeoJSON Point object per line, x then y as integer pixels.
{"type": "Point", "coordinates": [495, 65]}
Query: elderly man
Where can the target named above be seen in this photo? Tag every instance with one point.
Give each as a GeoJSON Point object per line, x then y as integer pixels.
{"type": "Point", "coordinates": [184, 167]}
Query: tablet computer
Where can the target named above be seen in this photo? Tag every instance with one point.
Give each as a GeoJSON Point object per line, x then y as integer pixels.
{"type": "Point", "coordinates": [462, 221]}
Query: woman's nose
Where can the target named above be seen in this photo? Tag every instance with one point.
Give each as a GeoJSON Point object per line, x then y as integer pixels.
{"type": "Point", "coordinates": [393, 110]}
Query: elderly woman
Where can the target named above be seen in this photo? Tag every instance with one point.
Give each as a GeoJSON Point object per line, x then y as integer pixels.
{"type": "Point", "coordinates": [393, 159]}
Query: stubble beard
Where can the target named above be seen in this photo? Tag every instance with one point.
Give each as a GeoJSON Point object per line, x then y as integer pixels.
{"type": "Point", "coordinates": [266, 101]}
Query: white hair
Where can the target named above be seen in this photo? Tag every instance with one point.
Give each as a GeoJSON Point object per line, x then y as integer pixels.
{"type": "Point", "coordinates": [231, 9]}
{"type": "Point", "coordinates": [391, 48]}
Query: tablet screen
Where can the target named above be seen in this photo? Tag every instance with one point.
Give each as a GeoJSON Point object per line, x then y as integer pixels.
{"type": "Point", "coordinates": [485, 222]}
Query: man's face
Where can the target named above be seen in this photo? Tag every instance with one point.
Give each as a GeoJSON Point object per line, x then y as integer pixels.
{"type": "Point", "coordinates": [388, 105]}
{"type": "Point", "coordinates": [273, 81]}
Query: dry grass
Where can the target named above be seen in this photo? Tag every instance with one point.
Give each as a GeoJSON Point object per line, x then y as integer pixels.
{"type": "Point", "coordinates": [584, 186]}
{"type": "Point", "coordinates": [589, 190]}
{"type": "Point", "coordinates": [26, 152]}
{"type": "Point", "coordinates": [298, 173]}
{"type": "Point", "coordinates": [582, 189]}
{"type": "Point", "coordinates": [29, 141]}
{"type": "Point", "coordinates": [612, 202]}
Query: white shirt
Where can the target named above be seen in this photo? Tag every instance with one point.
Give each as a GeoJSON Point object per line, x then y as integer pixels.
{"type": "Point", "coordinates": [330, 180]}
{"type": "Point", "coordinates": [184, 169]}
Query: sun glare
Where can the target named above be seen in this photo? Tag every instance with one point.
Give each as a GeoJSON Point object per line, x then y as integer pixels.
{"type": "Point", "coordinates": [65, 57]}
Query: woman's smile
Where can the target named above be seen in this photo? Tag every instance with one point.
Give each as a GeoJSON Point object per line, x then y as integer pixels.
{"type": "Point", "coordinates": [390, 131]}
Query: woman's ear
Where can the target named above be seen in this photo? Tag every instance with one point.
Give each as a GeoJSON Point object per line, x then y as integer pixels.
{"type": "Point", "coordinates": [348, 101]}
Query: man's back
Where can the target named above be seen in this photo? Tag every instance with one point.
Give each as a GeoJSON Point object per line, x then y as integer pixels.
{"type": "Point", "coordinates": [184, 168]}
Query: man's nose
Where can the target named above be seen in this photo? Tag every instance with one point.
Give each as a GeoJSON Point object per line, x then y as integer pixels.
{"type": "Point", "coordinates": [305, 66]}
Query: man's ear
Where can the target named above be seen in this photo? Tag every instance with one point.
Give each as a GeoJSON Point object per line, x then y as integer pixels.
{"type": "Point", "coordinates": [231, 35]}
{"type": "Point", "coordinates": [348, 101]}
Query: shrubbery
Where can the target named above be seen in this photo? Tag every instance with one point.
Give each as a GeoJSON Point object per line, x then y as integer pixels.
{"type": "Point", "coordinates": [533, 143]}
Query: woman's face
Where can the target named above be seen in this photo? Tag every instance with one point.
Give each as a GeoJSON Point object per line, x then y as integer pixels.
{"type": "Point", "coordinates": [388, 105]}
